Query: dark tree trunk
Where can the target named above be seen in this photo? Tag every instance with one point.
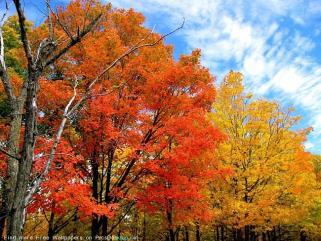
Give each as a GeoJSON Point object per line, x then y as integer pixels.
{"type": "Point", "coordinates": [144, 227]}
{"type": "Point", "coordinates": [234, 234]}
{"type": "Point", "coordinates": [2, 227]}
{"type": "Point", "coordinates": [94, 227]}
{"type": "Point", "coordinates": [222, 233]}
{"type": "Point", "coordinates": [240, 234]}
{"type": "Point", "coordinates": [95, 176]}
{"type": "Point", "coordinates": [274, 234]}
{"type": "Point", "coordinates": [107, 191]}
{"type": "Point", "coordinates": [104, 226]}
{"type": "Point", "coordinates": [247, 233]}
{"type": "Point", "coordinates": [186, 236]}
{"type": "Point", "coordinates": [303, 236]}
{"type": "Point", "coordinates": [177, 234]}
{"type": "Point", "coordinates": [51, 231]}
{"type": "Point", "coordinates": [197, 232]}
{"type": "Point", "coordinates": [171, 233]}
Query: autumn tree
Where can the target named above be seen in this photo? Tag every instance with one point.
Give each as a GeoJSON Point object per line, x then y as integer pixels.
{"type": "Point", "coordinates": [43, 47]}
{"type": "Point", "coordinates": [273, 181]}
{"type": "Point", "coordinates": [146, 107]}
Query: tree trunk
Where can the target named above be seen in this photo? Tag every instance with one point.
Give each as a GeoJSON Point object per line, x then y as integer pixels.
{"type": "Point", "coordinates": [247, 233]}
{"type": "Point", "coordinates": [95, 174]}
{"type": "Point", "coordinates": [75, 230]}
{"type": "Point", "coordinates": [13, 165]}
{"type": "Point", "coordinates": [222, 233]}
{"type": "Point", "coordinates": [197, 232]}
{"type": "Point", "coordinates": [186, 236]}
{"type": "Point", "coordinates": [51, 231]}
{"type": "Point", "coordinates": [234, 234]}
{"type": "Point", "coordinates": [171, 235]}
{"type": "Point", "coordinates": [274, 234]}
{"type": "Point", "coordinates": [145, 227]}
{"type": "Point", "coordinates": [170, 222]}
{"type": "Point", "coordinates": [303, 236]}
{"type": "Point", "coordinates": [104, 225]}
{"type": "Point", "coordinates": [13, 145]}
{"type": "Point", "coordinates": [107, 190]}
{"type": "Point", "coordinates": [2, 227]}
{"type": "Point", "coordinates": [94, 227]}
{"type": "Point", "coordinates": [16, 217]}
{"type": "Point", "coordinates": [177, 232]}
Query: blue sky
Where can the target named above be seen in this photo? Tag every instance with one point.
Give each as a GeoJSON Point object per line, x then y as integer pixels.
{"type": "Point", "coordinates": [276, 44]}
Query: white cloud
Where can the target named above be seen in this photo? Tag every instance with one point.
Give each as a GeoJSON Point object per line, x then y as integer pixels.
{"type": "Point", "coordinates": [309, 145]}
{"type": "Point", "coordinates": [258, 37]}
{"type": "Point", "coordinates": [288, 80]}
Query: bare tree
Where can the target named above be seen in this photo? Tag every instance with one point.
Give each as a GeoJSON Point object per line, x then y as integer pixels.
{"type": "Point", "coordinates": [20, 161]}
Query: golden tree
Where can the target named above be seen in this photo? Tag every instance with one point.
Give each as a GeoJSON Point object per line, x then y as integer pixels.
{"type": "Point", "coordinates": [273, 178]}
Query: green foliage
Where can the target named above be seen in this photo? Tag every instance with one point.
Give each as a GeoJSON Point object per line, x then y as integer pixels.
{"type": "Point", "coordinates": [12, 42]}
{"type": "Point", "coordinates": [5, 109]}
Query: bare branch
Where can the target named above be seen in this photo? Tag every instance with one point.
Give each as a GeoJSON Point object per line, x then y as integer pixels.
{"type": "Point", "coordinates": [50, 26]}
{"type": "Point", "coordinates": [40, 178]}
{"type": "Point", "coordinates": [5, 13]}
{"type": "Point", "coordinates": [120, 219]}
{"type": "Point", "coordinates": [128, 52]}
{"type": "Point", "coordinates": [23, 33]}
{"type": "Point", "coordinates": [3, 68]}
{"type": "Point", "coordinates": [63, 26]}
{"type": "Point", "coordinates": [9, 155]}
{"type": "Point", "coordinates": [56, 154]}
{"type": "Point", "coordinates": [59, 227]}
{"type": "Point", "coordinates": [74, 40]}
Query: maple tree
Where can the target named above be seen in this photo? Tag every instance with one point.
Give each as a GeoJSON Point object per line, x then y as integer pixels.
{"type": "Point", "coordinates": [134, 117]}
{"type": "Point", "coordinates": [18, 183]}
{"type": "Point", "coordinates": [131, 122]}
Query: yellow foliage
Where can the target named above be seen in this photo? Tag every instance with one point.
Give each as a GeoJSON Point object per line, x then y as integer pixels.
{"type": "Point", "coordinates": [274, 180]}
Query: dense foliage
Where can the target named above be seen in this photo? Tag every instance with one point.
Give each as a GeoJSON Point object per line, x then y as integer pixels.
{"type": "Point", "coordinates": [156, 151]}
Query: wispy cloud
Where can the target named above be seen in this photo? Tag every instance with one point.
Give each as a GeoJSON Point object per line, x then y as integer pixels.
{"type": "Point", "coordinates": [270, 42]}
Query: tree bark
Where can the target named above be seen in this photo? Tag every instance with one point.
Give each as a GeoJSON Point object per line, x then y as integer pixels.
{"type": "Point", "coordinates": [303, 236]}
{"type": "Point", "coordinates": [95, 174]}
{"type": "Point", "coordinates": [2, 227]}
{"type": "Point", "coordinates": [234, 234]}
{"type": "Point", "coordinates": [222, 233]}
{"type": "Point", "coordinates": [247, 233]}
{"type": "Point", "coordinates": [197, 232]}
{"type": "Point", "coordinates": [107, 190]}
{"type": "Point", "coordinates": [186, 236]}
{"type": "Point", "coordinates": [145, 227]}
{"type": "Point", "coordinates": [16, 217]}
{"type": "Point", "coordinates": [170, 222]}
{"type": "Point", "coordinates": [51, 232]}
